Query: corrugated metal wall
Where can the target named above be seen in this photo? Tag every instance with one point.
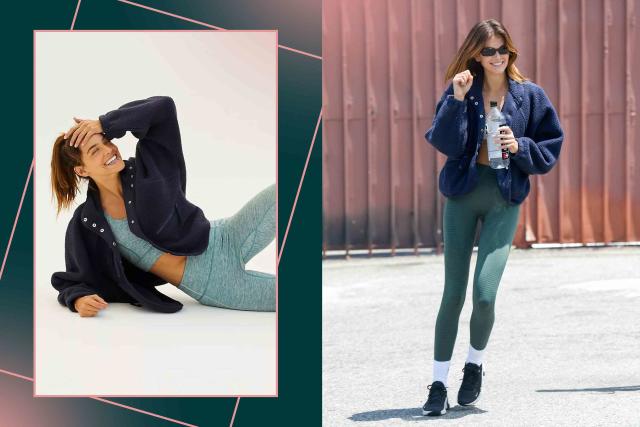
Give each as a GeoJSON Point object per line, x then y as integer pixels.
{"type": "Point", "coordinates": [384, 63]}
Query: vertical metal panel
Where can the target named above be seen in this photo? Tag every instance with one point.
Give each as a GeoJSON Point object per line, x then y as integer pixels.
{"type": "Point", "coordinates": [345, 132]}
{"type": "Point", "coordinates": [333, 166]}
{"type": "Point", "coordinates": [634, 125]}
{"type": "Point", "coordinates": [594, 173]}
{"type": "Point", "coordinates": [384, 63]}
{"type": "Point", "coordinates": [437, 159]}
{"type": "Point", "coordinates": [392, 145]}
{"type": "Point", "coordinates": [536, 180]}
{"type": "Point", "coordinates": [631, 37]}
{"type": "Point", "coordinates": [583, 120]}
{"type": "Point", "coordinates": [370, 112]}
{"type": "Point", "coordinates": [616, 88]}
{"type": "Point", "coordinates": [569, 110]}
{"type": "Point", "coordinates": [628, 153]}
{"type": "Point", "coordinates": [401, 90]}
{"type": "Point", "coordinates": [378, 104]}
{"type": "Point", "coordinates": [606, 16]}
{"type": "Point", "coordinates": [428, 192]}
{"type": "Point", "coordinates": [414, 129]}
{"type": "Point", "coordinates": [547, 76]}
{"type": "Point", "coordinates": [354, 123]}
{"type": "Point", "coordinates": [561, 109]}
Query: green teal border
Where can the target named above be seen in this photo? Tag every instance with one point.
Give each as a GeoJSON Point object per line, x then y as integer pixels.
{"type": "Point", "coordinates": [300, 101]}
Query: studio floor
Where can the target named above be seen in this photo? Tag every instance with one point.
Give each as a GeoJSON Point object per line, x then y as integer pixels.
{"type": "Point", "coordinates": [128, 350]}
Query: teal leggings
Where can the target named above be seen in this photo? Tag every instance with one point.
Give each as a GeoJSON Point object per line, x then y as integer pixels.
{"type": "Point", "coordinates": [499, 221]}
{"type": "Point", "coordinates": [218, 277]}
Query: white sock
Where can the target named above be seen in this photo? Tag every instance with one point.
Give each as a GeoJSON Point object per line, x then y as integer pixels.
{"type": "Point", "coordinates": [475, 356]}
{"type": "Point", "coordinates": [441, 371]}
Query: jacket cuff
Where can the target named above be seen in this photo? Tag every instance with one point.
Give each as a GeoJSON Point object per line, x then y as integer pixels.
{"type": "Point", "coordinates": [451, 108]}
{"type": "Point", "coordinates": [522, 148]}
{"type": "Point", "coordinates": [453, 98]}
{"type": "Point", "coordinates": [106, 126]}
{"type": "Point", "coordinates": [454, 103]}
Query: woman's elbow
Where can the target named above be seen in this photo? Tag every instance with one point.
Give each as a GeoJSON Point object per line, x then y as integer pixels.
{"type": "Point", "coordinates": [444, 143]}
{"type": "Point", "coordinates": [166, 106]}
{"type": "Point", "coordinates": [552, 154]}
{"type": "Point", "coordinates": [167, 100]}
{"type": "Point", "coordinates": [164, 101]}
{"type": "Point", "coordinates": [545, 165]}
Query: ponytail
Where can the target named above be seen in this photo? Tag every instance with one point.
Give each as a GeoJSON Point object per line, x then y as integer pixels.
{"type": "Point", "coordinates": [65, 182]}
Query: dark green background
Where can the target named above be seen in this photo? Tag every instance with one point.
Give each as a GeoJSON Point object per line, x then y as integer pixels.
{"type": "Point", "coordinates": [299, 25]}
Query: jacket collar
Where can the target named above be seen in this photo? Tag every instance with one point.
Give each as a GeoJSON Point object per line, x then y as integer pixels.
{"type": "Point", "coordinates": [515, 89]}
{"type": "Point", "coordinates": [92, 207]}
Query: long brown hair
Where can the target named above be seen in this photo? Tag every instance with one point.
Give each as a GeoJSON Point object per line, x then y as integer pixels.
{"type": "Point", "coordinates": [473, 44]}
{"type": "Point", "coordinates": [65, 183]}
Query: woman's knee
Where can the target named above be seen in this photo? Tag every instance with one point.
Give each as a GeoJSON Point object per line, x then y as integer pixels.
{"type": "Point", "coordinates": [484, 304]}
{"type": "Point", "coordinates": [453, 302]}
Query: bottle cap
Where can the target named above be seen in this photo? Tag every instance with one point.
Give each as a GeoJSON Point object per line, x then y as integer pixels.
{"type": "Point", "coordinates": [493, 103]}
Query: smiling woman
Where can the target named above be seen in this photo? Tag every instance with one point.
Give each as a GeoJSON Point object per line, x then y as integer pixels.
{"type": "Point", "coordinates": [144, 253]}
{"type": "Point", "coordinates": [70, 165]}
{"type": "Point", "coordinates": [484, 80]}
{"type": "Point", "coordinates": [137, 230]}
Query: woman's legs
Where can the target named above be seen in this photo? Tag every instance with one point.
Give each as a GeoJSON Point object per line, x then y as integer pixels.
{"type": "Point", "coordinates": [459, 226]}
{"type": "Point", "coordinates": [497, 230]}
{"type": "Point", "coordinates": [255, 223]}
{"type": "Point", "coordinates": [218, 277]}
{"type": "Point", "coordinates": [496, 236]}
{"type": "Point", "coordinates": [242, 290]}
{"type": "Point", "coordinates": [251, 229]}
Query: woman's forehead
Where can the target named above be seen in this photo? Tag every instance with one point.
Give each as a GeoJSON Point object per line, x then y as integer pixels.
{"type": "Point", "coordinates": [494, 41]}
{"type": "Point", "coordinates": [93, 139]}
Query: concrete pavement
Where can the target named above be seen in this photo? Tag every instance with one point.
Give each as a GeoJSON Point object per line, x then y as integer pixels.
{"type": "Point", "coordinates": [564, 350]}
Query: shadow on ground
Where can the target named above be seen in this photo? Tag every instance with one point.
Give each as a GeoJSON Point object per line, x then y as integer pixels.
{"type": "Point", "coordinates": [413, 414]}
{"type": "Point", "coordinates": [599, 389]}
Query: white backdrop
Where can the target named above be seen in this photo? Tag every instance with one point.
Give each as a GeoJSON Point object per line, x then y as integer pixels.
{"type": "Point", "coordinates": [224, 86]}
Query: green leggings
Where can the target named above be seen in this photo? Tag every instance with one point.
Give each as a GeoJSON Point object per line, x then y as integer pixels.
{"type": "Point", "coordinates": [218, 277]}
{"type": "Point", "coordinates": [499, 221]}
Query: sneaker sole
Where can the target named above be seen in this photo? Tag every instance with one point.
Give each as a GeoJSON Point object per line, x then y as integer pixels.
{"type": "Point", "coordinates": [470, 403]}
{"type": "Point", "coordinates": [438, 413]}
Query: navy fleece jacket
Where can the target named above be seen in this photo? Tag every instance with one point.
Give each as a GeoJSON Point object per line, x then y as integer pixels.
{"type": "Point", "coordinates": [153, 184]}
{"type": "Point", "coordinates": [458, 130]}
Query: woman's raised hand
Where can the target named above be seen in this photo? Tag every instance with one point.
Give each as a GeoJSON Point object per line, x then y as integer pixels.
{"type": "Point", "coordinates": [90, 305]}
{"type": "Point", "coordinates": [461, 84]}
{"type": "Point", "coordinates": [82, 131]}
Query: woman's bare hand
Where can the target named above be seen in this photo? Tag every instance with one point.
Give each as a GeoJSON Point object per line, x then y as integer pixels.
{"type": "Point", "coordinates": [79, 133]}
{"type": "Point", "coordinates": [507, 139]}
{"type": "Point", "coordinates": [461, 84]}
{"type": "Point", "coordinates": [90, 305]}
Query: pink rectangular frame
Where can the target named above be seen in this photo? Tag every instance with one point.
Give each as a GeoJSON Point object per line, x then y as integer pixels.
{"type": "Point", "coordinates": [34, 207]}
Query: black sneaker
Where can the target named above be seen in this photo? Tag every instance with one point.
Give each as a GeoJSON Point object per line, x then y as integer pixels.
{"type": "Point", "coordinates": [469, 392]}
{"type": "Point", "coordinates": [437, 402]}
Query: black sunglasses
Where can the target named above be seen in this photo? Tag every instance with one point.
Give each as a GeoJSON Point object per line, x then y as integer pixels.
{"type": "Point", "coordinates": [490, 51]}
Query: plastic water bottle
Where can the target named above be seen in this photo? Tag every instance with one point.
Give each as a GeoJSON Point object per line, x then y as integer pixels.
{"type": "Point", "coordinates": [498, 157]}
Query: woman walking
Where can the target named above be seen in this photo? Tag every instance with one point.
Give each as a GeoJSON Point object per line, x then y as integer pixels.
{"type": "Point", "coordinates": [483, 72]}
{"type": "Point", "coordinates": [136, 230]}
